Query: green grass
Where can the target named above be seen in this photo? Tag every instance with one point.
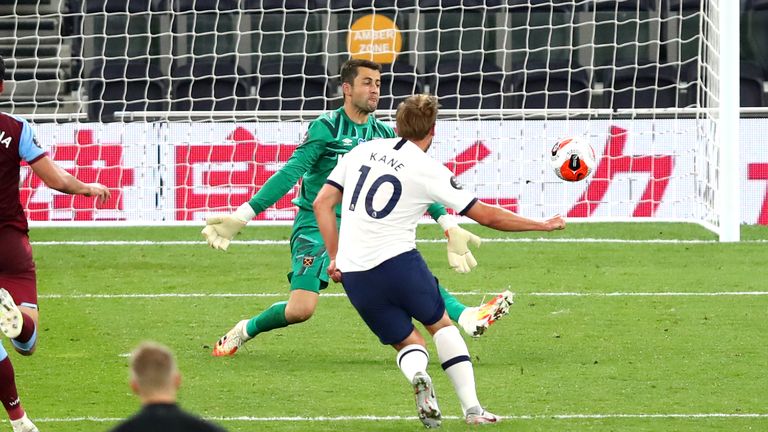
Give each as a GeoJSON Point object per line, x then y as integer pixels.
{"type": "Point", "coordinates": [554, 355]}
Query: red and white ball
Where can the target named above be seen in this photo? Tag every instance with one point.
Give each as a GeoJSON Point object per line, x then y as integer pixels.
{"type": "Point", "coordinates": [573, 159]}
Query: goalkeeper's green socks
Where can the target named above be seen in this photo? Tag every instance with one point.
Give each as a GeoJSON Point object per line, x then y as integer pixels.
{"type": "Point", "coordinates": [274, 316]}
{"type": "Point", "coordinates": [452, 305]}
{"type": "Point", "coordinates": [270, 319]}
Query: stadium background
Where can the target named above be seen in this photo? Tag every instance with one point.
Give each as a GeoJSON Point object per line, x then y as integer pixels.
{"type": "Point", "coordinates": [123, 91]}
{"type": "Point", "coordinates": [617, 326]}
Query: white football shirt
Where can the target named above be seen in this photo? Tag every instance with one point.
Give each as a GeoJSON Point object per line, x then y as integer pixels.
{"type": "Point", "coordinates": [388, 185]}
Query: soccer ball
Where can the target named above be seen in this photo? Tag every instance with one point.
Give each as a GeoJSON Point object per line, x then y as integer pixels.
{"type": "Point", "coordinates": [573, 159]}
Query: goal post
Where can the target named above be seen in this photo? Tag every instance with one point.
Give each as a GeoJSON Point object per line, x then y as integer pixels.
{"type": "Point", "coordinates": [728, 190]}
{"type": "Point", "coordinates": [184, 108]}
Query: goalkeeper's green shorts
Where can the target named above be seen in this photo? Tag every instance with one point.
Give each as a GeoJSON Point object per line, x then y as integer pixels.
{"type": "Point", "coordinates": [309, 259]}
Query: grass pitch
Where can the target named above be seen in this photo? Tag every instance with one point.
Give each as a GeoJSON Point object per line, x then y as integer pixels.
{"type": "Point", "coordinates": [630, 336]}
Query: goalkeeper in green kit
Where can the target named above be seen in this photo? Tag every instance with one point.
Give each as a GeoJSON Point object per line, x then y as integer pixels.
{"type": "Point", "coordinates": [328, 138]}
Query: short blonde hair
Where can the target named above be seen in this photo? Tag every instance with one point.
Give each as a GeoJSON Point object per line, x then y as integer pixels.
{"type": "Point", "coordinates": [153, 367]}
{"type": "Point", "coordinates": [416, 116]}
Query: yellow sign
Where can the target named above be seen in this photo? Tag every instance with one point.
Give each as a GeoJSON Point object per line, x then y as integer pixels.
{"type": "Point", "coordinates": [374, 37]}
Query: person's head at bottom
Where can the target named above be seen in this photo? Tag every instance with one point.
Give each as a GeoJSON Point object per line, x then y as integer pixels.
{"type": "Point", "coordinates": [154, 375]}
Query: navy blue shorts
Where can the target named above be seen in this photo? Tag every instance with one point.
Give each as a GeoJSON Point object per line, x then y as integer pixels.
{"type": "Point", "coordinates": [390, 294]}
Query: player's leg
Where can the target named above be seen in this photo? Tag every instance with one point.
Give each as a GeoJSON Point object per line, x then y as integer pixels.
{"type": "Point", "coordinates": [17, 276]}
{"type": "Point", "coordinates": [453, 306]}
{"type": "Point", "coordinates": [371, 295]}
{"type": "Point", "coordinates": [10, 396]}
{"type": "Point", "coordinates": [415, 291]}
{"type": "Point", "coordinates": [412, 359]}
{"type": "Point", "coordinates": [18, 322]}
{"type": "Point", "coordinates": [26, 342]}
{"type": "Point", "coordinates": [18, 300]}
{"type": "Point", "coordinates": [307, 278]}
{"type": "Point", "coordinates": [456, 362]}
{"type": "Point", "coordinates": [425, 305]}
{"type": "Point", "coordinates": [476, 319]}
{"type": "Point", "coordinates": [452, 353]}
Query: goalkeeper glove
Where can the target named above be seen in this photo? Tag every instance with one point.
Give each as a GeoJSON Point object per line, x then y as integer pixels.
{"type": "Point", "coordinates": [220, 230]}
{"type": "Point", "coordinates": [460, 258]}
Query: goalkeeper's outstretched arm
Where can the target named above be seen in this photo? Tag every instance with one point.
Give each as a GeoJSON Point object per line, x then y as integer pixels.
{"type": "Point", "coordinates": [220, 230]}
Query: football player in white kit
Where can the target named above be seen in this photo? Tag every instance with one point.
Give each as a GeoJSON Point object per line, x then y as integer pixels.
{"type": "Point", "coordinates": [384, 187]}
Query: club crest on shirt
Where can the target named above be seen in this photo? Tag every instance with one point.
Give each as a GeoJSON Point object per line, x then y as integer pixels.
{"type": "Point", "coordinates": [308, 261]}
{"type": "Point", "coordinates": [455, 183]}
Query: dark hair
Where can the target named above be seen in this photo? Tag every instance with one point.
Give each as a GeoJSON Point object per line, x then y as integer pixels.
{"type": "Point", "coordinates": [349, 69]}
{"type": "Point", "coordinates": [416, 116]}
{"type": "Point", "coordinates": [2, 69]}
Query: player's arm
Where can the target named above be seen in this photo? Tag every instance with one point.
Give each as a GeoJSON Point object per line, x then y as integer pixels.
{"type": "Point", "coordinates": [504, 220]}
{"type": "Point", "coordinates": [56, 178]}
{"type": "Point", "coordinates": [220, 230]}
{"type": "Point", "coordinates": [324, 206]}
{"type": "Point", "coordinates": [51, 174]}
{"type": "Point", "coordinates": [283, 180]}
{"type": "Point", "coordinates": [460, 257]}
{"type": "Point", "coordinates": [325, 213]}
{"type": "Point", "coordinates": [443, 187]}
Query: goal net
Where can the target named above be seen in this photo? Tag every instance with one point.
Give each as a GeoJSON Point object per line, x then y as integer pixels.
{"type": "Point", "coordinates": [185, 108]}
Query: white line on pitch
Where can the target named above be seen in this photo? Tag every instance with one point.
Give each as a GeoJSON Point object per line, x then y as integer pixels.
{"type": "Point", "coordinates": [646, 294]}
{"type": "Point", "coordinates": [533, 294]}
{"type": "Point", "coordinates": [412, 418]}
{"type": "Point", "coordinates": [285, 242]}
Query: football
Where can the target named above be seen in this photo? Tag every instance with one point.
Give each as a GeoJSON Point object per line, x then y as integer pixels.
{"type": "Point", "coordinates": [573, 159]}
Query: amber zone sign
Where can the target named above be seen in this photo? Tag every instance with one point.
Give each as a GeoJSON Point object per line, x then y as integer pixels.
{"type": "Point", "coordinates": [374, 37]}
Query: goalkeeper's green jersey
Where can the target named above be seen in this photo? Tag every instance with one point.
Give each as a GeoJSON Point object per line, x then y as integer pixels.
{"type": "Point", "coordinates": [328, 137]}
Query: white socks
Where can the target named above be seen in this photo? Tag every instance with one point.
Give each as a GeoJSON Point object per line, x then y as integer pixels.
{"type": "Point", "coordinates": [411, 359]}
{"type": "Point", "coordinates": [454, 357]}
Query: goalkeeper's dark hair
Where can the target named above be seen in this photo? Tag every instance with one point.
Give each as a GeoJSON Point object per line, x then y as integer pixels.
{"type": "Point", "coordinates": [2, 69]}
{"type": "Point", "coordinates": [416, 116]}
{"type": "Point", "coordinates": [349, 69]}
